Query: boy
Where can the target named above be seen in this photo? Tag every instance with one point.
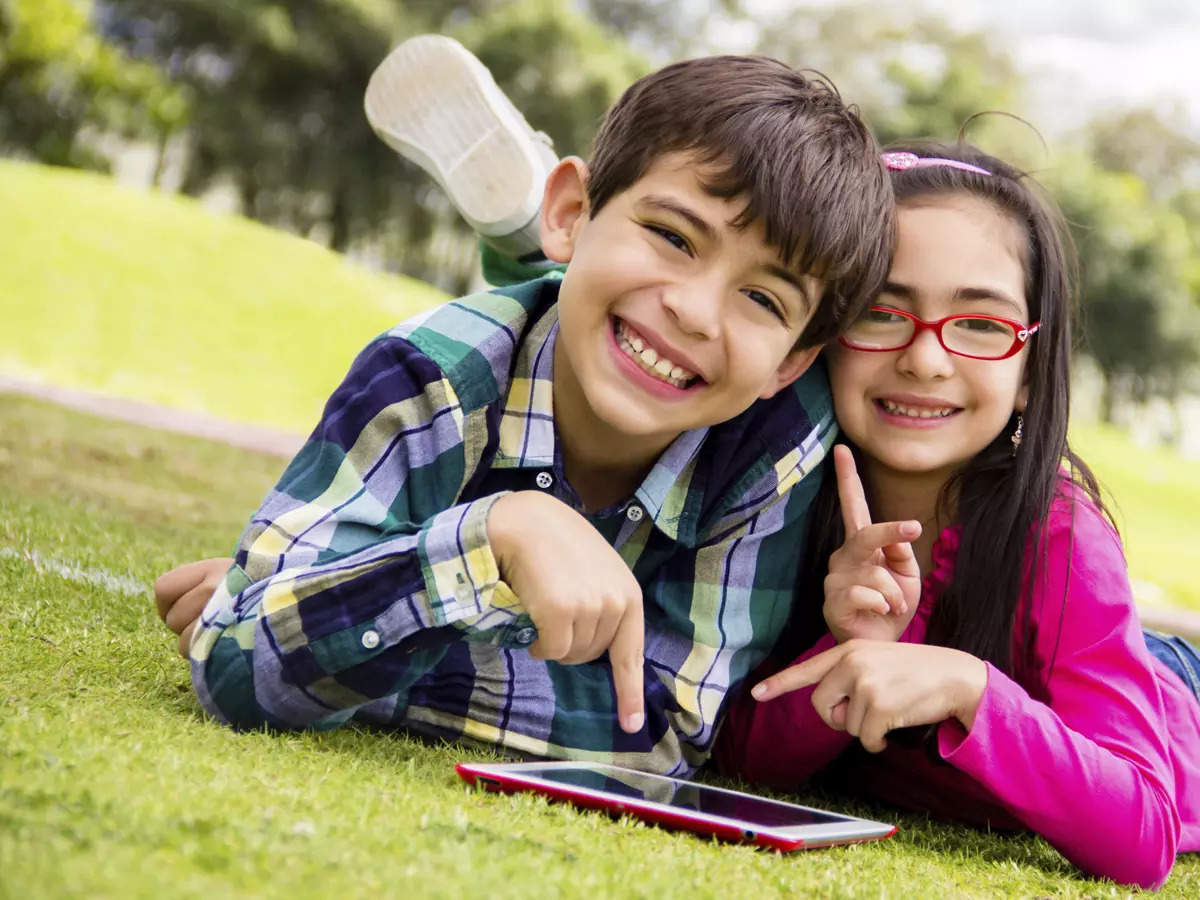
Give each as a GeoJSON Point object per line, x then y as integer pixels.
{"type": "Point", "coordinates": [564, 517]}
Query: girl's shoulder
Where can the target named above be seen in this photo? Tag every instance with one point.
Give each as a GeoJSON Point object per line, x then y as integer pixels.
{"type": "Point", "coordinates": [1079, 588]}
{"type": "Point", "coordinates": [1074, 513]}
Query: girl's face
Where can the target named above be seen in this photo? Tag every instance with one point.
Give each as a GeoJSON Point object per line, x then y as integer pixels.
{"type": "Point", "coordinates": [923, 410]}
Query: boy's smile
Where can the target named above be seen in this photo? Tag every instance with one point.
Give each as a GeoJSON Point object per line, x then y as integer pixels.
{"type": "Point", "coordinates": [669, 317]}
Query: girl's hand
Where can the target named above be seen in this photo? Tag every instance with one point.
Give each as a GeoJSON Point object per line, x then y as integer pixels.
{"type": "Point", "coordinates": [874, 583]}
{"type": "Point", "coordinates": [867, 688]}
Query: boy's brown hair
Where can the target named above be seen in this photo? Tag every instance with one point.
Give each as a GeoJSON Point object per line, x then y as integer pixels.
{"type": "Point", "coordinates": [783, 138]}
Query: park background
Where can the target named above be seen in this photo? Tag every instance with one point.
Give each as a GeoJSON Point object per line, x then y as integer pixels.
{"type": "Point", "coordinates": [199, 231]}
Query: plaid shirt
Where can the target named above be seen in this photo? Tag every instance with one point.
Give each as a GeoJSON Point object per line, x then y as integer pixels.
{"type": "Point", "coordinates": [365, 586]}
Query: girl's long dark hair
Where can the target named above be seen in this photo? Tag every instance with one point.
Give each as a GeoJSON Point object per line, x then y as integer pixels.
{"type": "Point", "coordinates": [1001, 500]}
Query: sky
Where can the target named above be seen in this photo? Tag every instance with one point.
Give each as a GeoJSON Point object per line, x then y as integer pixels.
{"type": "Point", "coordinates": [1083, 56]}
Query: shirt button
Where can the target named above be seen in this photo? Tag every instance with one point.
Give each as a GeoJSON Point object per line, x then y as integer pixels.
{"type": "Point", "coordinates": [526, 635]}
{"type": "Point", "coordinates": [370, 639]}
{"type": "Point", "coordinates": [634, 512]}
{"type": "Point", "coordinates": [544, 480]}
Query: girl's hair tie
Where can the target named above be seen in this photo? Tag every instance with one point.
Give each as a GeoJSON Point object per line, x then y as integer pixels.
{"type": "Point", "coordinates": [902, 159]}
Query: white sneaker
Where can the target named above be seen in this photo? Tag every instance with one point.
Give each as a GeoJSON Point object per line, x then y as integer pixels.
{"type": "Point", "coordinates": [434, 103]}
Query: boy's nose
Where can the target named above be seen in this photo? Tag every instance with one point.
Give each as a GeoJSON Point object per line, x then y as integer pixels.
{"type": "Point", "coordinates": [696, 308]}
{"type": "Point", "coordinates": [926, 358]}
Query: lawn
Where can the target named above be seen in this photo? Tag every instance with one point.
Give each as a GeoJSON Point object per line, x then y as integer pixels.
{"type": "Point", "coordinates": [149, 297]}
{"type": "Point", "coordinates": [113, 784]}
{"type": "Point", "coordinates": [1154, 495]}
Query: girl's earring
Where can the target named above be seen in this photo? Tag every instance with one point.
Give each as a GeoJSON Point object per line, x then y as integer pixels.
{"type": "Point", "coordinates": [1018, 434]}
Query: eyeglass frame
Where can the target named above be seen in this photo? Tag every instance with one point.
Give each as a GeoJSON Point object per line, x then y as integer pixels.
{"type": "Point", "coordinates": [1021, 333]}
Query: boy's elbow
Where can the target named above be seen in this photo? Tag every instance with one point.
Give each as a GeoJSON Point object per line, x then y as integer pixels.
{"type": "Point", "coordinates": [244, 689]}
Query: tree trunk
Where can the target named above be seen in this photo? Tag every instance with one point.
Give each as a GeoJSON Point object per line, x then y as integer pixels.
{"type": "Point", "coordinates": [1107, 400]}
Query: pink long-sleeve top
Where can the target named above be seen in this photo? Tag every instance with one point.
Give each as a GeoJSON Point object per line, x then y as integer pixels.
{"type": "Point", "coordinates": [1106, 767]}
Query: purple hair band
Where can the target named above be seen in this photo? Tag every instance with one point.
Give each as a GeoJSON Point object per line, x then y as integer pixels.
{"type": "Point", "coordinates": [902, 159]}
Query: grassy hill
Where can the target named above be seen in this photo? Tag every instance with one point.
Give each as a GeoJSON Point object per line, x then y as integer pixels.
{"type": "Point", "coordinates": [150, 297]}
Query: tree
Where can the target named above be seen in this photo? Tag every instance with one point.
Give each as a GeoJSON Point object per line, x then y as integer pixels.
{"type": "Point", "coordinates": [276, 90]}
{"type": "Point", "coordinates": [1139, 322]}
{"type": "Point", "coordinates": [1140, 141]}
{"type": "Point", "coordinates": [911, 74]}
{"type": "Point", "coordinates": [59, 79]}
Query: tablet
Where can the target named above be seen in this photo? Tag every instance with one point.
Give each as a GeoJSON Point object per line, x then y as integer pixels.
{"type": "Point", "coordinates": [729, 815]}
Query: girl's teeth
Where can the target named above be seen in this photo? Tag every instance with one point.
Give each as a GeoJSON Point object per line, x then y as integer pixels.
{"type": "Point", "coordinates": [664, 367]}
{"type": "Point", "coordinates": [649, 356]}
{"type": "Point", "coordinates": [922, 413]}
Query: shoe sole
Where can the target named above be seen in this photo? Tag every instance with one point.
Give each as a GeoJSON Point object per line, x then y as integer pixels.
{"type": "Point", "coordinates": [434, 103]}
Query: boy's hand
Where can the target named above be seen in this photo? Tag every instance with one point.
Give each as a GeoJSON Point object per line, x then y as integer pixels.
{"type": "Point", "coordinates": [182, 594]}
{"type": "Point", "coordinates": [579, 592]}
{"type": "Point", "coordinates": [868, 688]}
{"type": "Point", "coordinates": [874, 582]}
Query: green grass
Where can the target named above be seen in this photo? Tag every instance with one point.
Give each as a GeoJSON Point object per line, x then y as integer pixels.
{"type": "Point", "coordinates": [1155, 497]}
{"type": "Point", "coordinates": [113, 784]}
{"type": "Point", "coordinates": [147, 296]}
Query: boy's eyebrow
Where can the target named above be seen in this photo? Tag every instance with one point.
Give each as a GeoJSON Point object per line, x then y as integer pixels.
{"type": "Point", "coordinates": [791, 278]}
{"type": "Point", "coordinates": [667, 204]}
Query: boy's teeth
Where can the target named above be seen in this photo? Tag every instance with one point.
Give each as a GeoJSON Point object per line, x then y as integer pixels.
{"type": "Point", "coordinates": [649, 360]}
{"type": "Point", "coordinates": [916, 412]}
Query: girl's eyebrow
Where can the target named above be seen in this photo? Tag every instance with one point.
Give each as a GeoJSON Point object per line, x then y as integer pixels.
{"type": "Point", "coordinates": [977, 293]}
{"type": "Point", "coordinates": [965, 293]}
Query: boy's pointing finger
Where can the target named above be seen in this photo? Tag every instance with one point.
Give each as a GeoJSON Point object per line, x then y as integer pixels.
{"type": "Point", "coordinates": [625, 655]}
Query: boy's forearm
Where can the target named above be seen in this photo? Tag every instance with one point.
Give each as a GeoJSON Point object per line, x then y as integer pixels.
{"type": "Point", "coordinates": [271, 651]}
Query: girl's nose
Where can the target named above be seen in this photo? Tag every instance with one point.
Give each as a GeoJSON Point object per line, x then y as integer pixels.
{"type": "Point", "coordinates": [925, 358]}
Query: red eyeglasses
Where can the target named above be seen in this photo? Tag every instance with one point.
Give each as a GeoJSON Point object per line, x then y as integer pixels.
{"type": "Point", "coordinates": [882, 328]}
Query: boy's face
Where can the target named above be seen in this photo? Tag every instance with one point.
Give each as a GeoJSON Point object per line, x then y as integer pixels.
{"type": "Point", "coordinates": [670, 318]}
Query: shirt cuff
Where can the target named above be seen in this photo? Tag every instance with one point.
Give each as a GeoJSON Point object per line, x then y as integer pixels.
{"type": "Point", "coordinates": [462, 577]}
{"type": "Point", "coordinates": [954, 740]}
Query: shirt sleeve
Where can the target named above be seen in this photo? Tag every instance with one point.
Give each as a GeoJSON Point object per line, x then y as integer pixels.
{"type": "Point", "coordinates": [1089, 770]}
{"type": "Point", "coordinates": [360, 555]}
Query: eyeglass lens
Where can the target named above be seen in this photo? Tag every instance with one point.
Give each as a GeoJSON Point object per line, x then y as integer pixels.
{"type": "Point", "coordinates": [882, 330]}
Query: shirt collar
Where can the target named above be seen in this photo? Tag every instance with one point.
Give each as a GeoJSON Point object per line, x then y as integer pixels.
{"type": "Point", "coordinates": [528, 440]}
{"type": "Point", "coordinates": [527, 416]}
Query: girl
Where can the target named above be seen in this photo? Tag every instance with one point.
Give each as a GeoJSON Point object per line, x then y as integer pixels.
{"type": "Point", "coordinates": [993, 604]}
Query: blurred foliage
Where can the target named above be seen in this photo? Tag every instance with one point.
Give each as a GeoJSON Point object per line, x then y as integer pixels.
{"type": "Point", "coordinates": [276, 105]}
{"type": "Point", "coordinates": [1140, 320]}
{"type": "Point", "coordinates": [265, 96]}
{"type": "Point", "coordinates": [58, 76]}
{"type": "Point", "coordinates": [911, 74]}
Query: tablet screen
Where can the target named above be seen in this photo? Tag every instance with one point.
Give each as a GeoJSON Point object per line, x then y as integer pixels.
{"type": "Point", "coordinates": [687, 795]}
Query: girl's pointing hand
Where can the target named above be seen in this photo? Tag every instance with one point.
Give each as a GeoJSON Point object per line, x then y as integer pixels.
{"type": "Point", "coordinates": [868, 688]}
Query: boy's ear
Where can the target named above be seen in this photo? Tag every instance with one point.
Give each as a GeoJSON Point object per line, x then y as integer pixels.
{"type": "Point", "coordinates": [564, 208]}
{"type": "Point", "coordinates": [793, 366]}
